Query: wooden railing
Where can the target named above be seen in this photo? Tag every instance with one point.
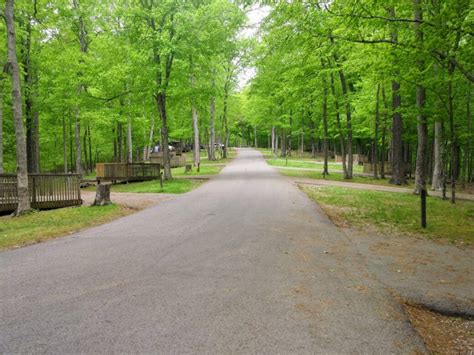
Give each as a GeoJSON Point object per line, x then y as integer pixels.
{"type": "Point", "coordinates": [127, 172]}
{"type": "Point", "coordinates": [46, 191]}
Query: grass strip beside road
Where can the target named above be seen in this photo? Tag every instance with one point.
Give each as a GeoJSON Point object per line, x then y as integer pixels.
{"type": "Point", "coordinates": [309, 164]}
{"type": "Point", "coordinates": [397, 212]}
{"type": "Point", "coordinates": [175, 186]}
{"type": "Point", "coordinates": [39, 226]}
{"type": "Point", "coordinates": [204, 170]}
{"type": "Point", "coordinates": [316, 175]}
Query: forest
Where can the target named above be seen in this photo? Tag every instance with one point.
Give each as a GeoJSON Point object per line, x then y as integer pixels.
{"type": "Point", "coordinates": [98, 81]}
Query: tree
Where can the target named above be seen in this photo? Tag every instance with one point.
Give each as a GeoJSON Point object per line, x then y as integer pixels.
{"type": "Point", "coordinates": [21, 160]}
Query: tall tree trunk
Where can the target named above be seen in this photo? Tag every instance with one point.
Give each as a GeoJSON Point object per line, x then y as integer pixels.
{"type": "Point", "coordinates": [302, 133]}
{"type": "Point", "coordinates": [398, 165]}
{"type": "Point", "coordinates": [225, 123]}
{"type": "Point", "coordinates": [437, 181]}
{"type": "Point", "coordinates": [384, 132]}
{"type": "Point", "coordinates": [212, 128]}
{"type": "Point", "coordinates": [32, 129]}
{"type": "Point", "coordinates": [78, 142]}
{"type": "Point", "coordinates": [255, 136]}
{"type": "Point", "coordinates": [129, 140]}
{"type": "Point", "coordinates": [376, 133]}
{"type": "Point", "coordinates": [129, 130]}
{"type": "Point", "coordinates": [64, 146]}
{"type": "Point", "coordinates": [197, 147]}
{"type": "Point", "coordinates": [1, 124]}
{"type": "Point", "coordinates": [120, 141]}
{"type": "Point", "coordinates": [467, 148]}
{"type": "Point", "coordinates": [325, 127]}
{"type": "Point", "coordinates": [350, 158]}
{"type": "Point", "coordinates": [273, 140]}
{"type": "Point", "coordinates": [84, 146]}
{"type": "Point", "coordinates": [452, 127]}
{"type": "Point", "coordinates": [91, 167]}
{"type": "Point", "coordinates": [453, 164]}
{"type": "Point", "coordinates": [422, 127]}
{"type": "Point", "coordinates": [150, 139]}
{"type": "Point", "coordinates": [312, 129]}
{"type": "Point", "coordinates": [84, 43]}
{"type": "Point", "coordinates": [21, 160]}
{"type": "Point", "coordinates": [71, 153]}
{"type": "Point", "coordinates": [339, 127]}
{"type": "Point", "coordinates": [283, 143]}
{"type": "Point", "coordinates": [161, 103]}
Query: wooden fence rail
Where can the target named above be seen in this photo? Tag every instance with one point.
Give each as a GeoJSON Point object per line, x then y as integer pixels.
{"type": "Point", "coordinates": [127, 172]}
{"type": "Point", "coordinates": [46, 191]}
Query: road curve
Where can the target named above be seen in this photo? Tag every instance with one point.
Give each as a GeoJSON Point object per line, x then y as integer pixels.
{"type": "Point", "coordinates": [244, 264]}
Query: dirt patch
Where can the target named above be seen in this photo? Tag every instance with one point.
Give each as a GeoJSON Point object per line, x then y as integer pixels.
{"type": "Point", "coordinates": [442, 334]}
{"type": "Point", "coordinates": [130, 200]}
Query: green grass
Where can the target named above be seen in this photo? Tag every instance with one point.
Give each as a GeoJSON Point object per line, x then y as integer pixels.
{"type": "Point", "coordinates": [400, 212]}
{"type": "Point", "coordinates": [175, 186]}
{"type": "Point", "coordinates": [38, 226]}
{"type": "Point", "coordinates": [309, 164]}
{"type": "Point", "coordinates": [204, 170]}
{"type": "Point", "coordinates": [339, 177]}
{"type": "Point", "coordinates": [91, 175]}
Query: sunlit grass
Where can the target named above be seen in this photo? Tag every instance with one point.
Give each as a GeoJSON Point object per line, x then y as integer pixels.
{"type": "Point", "coordinates": [398, 211]}
{"type": "Point", "coordinates": [317, 175]}
{"type": "Point", "coordinates": [38, 226]}
{"type": "Point", "coordinates": [175, 186]}
{"type": "Point", "coordinates": [310, 164]}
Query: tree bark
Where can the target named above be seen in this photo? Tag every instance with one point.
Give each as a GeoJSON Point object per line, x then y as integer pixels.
{"type": "Point", "coordinates": [102, 195]}
{"type": "Point", "coordinates": [422, 127]}
{"type": "Point", "coordinates": [64, 147]}
{"type": "Point", "coordinates": [197, 147]}
{"type": "Point", "coordinates": [342, 78]}
{"type": "Point", "coordinates": [398, 168]}
{"type": "Point", "coordinates": [78, 142]}
{"type": "Point", "coordinates": [84, 44]}
{"type": "Point", "coordinates": [312, 131]}
{"type": "Point", "coordinates": [273, 140]}
{"type": "Point", "coordinates": [1, 124]}
{"type": "Point", "coordinates": [129, 131]}
{"type": "Point", "coordinates": [376, 133]}
{"type": "Point", "coordinates": [91, 168]}
{"type": "Point", "coordinates": [325, 127]}
{"type": "Point", "coordinates": [84, 146]}
{"type": "Point", "coordinates": [339, 127]}
{"type": "Point", "coordinates": [437, 181]}
{"type": "Point", "coordinates": [384, 131]}
{"type": "Point", "coordinates": [32, 122]}
{"type": "Point", "coordinates": [212, 128]}
{"type": "Point", "coordinates": [224, 121]}
{"type": "Point", "coordinates": [255, 137]}
{"type": "Point", "coordinates": [21, 160]}
{"type": "Point", "coordinates": [161, 103]}
{"type": "Point", "coordinates": [129, 140]}
{"type": "Point", "coordinates": [150, 139]}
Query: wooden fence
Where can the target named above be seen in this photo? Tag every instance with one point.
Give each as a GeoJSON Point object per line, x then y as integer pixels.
{"type": "Point", "coordinates": [127, 172]}
{"type": "Point", "coordinates": [46, 191]}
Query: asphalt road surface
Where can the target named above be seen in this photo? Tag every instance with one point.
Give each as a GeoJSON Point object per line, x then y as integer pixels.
{"type": "Point", "coordinates": [244, 264]}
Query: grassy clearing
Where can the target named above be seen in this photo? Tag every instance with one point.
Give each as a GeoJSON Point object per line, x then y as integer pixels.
{"type": "Point", "coordinates": [391, 211]}
{"type": "Point", "coordinates": [309, 164]}
{"type": "Point", "coordinates": [339, 177]}
{"type": "Point", "coordinates": [175, 186]}
{"type": "Point", "coordinates": [204, 170]}
{"type": "Point", "coordinates": [39, 226]}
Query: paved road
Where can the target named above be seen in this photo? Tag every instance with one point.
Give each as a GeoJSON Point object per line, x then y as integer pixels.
{"type": "Point", "coordinates": [245, 263]}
